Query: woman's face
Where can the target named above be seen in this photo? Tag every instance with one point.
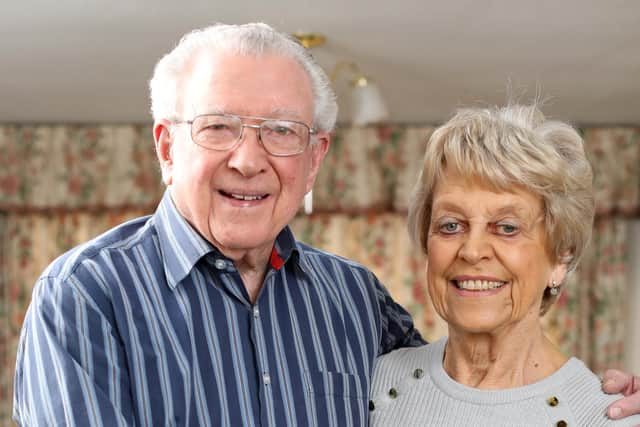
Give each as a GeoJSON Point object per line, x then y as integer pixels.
{"type": "Point", "coordinates": [487, 262]}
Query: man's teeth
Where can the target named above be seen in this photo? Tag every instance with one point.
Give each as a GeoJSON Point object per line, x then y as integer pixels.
{"type": "Point", "coordinates": [478, 284]}
{"type": "Point", "coordinates": [247, 198]}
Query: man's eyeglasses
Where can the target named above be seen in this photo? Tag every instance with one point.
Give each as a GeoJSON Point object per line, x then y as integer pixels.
{"type": "Point", "coordinates": [222, 132]}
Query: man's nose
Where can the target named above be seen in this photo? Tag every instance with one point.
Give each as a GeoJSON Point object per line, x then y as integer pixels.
{"type": "Point", "coordinates": [249, 157]}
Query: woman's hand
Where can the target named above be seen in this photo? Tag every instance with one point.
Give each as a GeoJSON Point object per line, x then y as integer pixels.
{"type": "Point", "coordinates": [615, 381]}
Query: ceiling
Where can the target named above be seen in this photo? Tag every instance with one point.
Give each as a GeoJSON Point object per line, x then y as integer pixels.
{"type": "Point", "coordinates": [89, 61]}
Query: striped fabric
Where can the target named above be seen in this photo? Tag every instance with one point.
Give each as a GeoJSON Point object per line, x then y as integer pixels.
{"type": "Point", "coordinates": [149, 325]}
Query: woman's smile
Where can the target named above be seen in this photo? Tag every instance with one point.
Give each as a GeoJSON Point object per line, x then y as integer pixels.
{"type": "Point", "coordinates": [478, 287]}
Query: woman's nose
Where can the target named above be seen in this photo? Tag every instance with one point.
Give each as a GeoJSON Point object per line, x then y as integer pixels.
{"type": "Point", "coordinates": [475, 247]}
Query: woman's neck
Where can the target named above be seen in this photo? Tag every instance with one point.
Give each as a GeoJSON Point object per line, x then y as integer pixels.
{"type": "Point", "coordinates": [515, 357]}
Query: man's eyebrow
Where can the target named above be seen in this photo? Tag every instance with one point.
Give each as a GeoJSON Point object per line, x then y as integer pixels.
{"type": "Point", "coordinates": [286, 114]}
{"type": "Point", "coordinates": [211, 109]}
{"type": "Point", "coordinates": [277, 113]}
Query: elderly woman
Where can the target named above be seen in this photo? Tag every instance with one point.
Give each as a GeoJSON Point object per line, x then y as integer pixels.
{"type": "Point", "coordinates": [503, 210]}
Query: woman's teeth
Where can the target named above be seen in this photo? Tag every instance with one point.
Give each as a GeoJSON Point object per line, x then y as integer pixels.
{"type": "Point", "coordinates": [475, 285]}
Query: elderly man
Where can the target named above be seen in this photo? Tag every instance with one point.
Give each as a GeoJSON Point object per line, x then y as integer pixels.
{"type": "Point", "coordinates": [209, 312]}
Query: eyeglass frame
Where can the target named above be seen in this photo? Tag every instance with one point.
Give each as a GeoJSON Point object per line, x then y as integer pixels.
{"type": "Point", "coordinates": [258, 127]}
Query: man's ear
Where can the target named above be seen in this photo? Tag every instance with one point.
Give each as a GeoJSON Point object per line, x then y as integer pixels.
{"type": "Point", "coordinates": [318, 151]}
{"type": "Point", "coordinates": [164, 143]}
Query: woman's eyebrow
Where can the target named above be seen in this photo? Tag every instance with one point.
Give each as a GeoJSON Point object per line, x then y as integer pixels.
{"type": "Point", "coordinates": [514, 209]}
{"type": "Point", "coordinates": [447, 206]}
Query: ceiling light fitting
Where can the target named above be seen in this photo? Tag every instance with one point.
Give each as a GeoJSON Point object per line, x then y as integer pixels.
{"type": "Point", "coordinates": [367, 104]}
{"type": "Point", "coordinates": [309, 40]}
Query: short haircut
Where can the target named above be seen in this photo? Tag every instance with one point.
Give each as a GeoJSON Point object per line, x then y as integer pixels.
{"type": "Point", "coordinates": [514, 145]}
{"type": "Point", "coordinates": [248, 39]}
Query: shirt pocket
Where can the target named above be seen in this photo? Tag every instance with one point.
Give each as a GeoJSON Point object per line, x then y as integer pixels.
{"type": "Point", "coordinates": [336, 399]}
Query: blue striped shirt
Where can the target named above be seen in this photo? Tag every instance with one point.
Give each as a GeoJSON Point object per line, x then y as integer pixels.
{"type": "Point", "coordinates": [150, 325]}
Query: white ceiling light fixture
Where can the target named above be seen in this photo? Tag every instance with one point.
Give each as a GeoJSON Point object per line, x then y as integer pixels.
{"type": "Point", "coordinates": [367, 105]}
{"type": "Point", "coordinates": [366, 102]}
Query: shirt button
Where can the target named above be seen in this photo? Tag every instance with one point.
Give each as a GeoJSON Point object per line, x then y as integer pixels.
{"type": "Point", "coordinates": [256, 312]}
{"type": "Point", "coordinates": [561, 423]}
{"type": "Point", "coordinates": [393, 393]}
{"type": "Point", "coordinates": [418, 373]}
{"type": "Point", "coordinates": [220, 264]}
{"type": "Point", "coordinates": [552, 401]}
{"type": "Point", "coordinates": [372, 405]}
{"type": "Point", "coordinates": [266, 378]}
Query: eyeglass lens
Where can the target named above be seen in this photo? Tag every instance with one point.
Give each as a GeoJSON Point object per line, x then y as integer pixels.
{"type": "Point", "coordinates": [221, 132]}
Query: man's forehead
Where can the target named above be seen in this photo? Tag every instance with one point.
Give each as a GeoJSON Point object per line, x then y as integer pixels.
{"type": "Point", "coordinates": [229, 64]}
{"type": "Point", "coordinates": [275, 84]}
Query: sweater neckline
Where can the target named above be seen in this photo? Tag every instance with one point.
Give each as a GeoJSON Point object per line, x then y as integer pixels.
{"type": "Point", "coordinates": [473, 395]}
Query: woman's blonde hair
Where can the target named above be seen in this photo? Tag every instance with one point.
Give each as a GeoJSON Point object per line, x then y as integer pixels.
{"type": "Point", "coordinates": [514, 145]}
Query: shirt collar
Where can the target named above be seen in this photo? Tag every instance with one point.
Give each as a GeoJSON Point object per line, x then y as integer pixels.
{"type": "Point", "coordinates": [285, 248]}
{"type": "Point", "coordinates": [282, 249]}
{"type": "Point", "coordinates": [182, 247]}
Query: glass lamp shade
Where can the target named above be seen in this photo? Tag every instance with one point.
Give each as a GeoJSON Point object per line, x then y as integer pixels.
{"type": "Point", "coordinates": [367, 105]}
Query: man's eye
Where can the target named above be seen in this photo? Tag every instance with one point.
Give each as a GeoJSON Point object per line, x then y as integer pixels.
{"type": "Point", "coordinates": [217, 127]}
{"type": "Point", "coordinates": [281, 130]}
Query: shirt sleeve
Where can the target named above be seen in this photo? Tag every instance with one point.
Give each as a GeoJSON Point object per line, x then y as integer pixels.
{"type": "Point", "coordinates": [71, 369]}
{"type": "Point", "coordinates": [397, 329]}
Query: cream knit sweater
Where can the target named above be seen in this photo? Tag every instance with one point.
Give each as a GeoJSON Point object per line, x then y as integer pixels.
{"type": "Point", "coordinates": [411, 388]}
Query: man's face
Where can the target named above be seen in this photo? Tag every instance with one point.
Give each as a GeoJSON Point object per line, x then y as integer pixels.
{"type": "Point", "coordinates": [241, 199]}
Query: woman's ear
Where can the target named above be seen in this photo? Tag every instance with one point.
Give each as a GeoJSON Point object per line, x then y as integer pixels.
{"type": "Point", "coordinates": [164, 142]}
{"type": "Point", "coordinates": [559, 272]}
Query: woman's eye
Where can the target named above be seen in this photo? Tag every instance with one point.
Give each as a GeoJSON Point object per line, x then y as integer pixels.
{"type": "Point", "coordinates": [449, 227]}
{"type": "Point", "coordinates": [507, 229]}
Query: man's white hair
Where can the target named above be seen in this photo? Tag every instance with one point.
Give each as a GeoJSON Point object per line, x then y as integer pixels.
{"type": "Point", "coordinates": [248, 39]}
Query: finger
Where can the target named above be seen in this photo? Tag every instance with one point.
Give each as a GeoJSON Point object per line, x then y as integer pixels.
{"type": "Point", "coordinates": [624, 407]}
{"type": "Point", "coordinates": [615, 381]}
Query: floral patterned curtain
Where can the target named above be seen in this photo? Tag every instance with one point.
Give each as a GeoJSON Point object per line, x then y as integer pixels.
{"type": "Point", "coordinates": [61, 185]}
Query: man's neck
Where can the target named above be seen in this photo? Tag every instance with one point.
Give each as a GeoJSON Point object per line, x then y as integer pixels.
{"type": "Point", "coordinates": [252, 266]}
